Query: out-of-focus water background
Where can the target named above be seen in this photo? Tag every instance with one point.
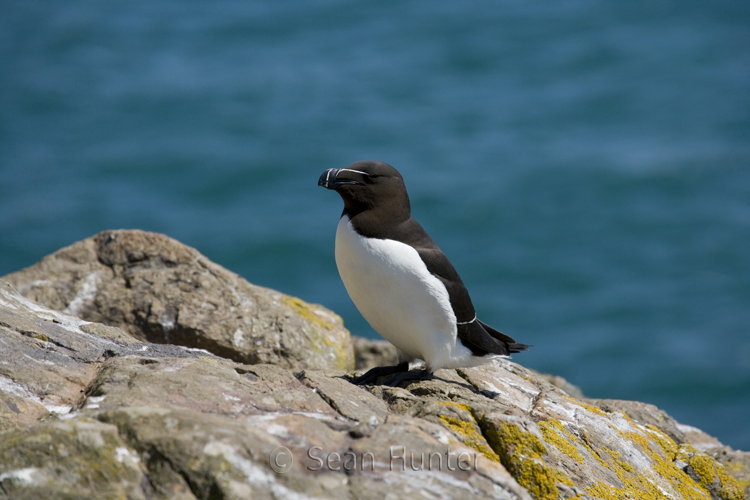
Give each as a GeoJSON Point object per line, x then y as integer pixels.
{"type": "Point", "coordinates": [585, 165]}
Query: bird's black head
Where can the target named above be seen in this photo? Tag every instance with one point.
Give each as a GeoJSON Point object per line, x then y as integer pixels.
{"type": "Point", "coordinates": [368, 185]}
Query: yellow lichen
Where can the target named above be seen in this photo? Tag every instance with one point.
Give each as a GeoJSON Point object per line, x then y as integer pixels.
{"type": "Point", "coordinates": [639, 484]}
{"type": "Point", "coordinates": [625, 466]}
{"type": "Point", "coordinates": [685, 452]}
{"type": "Point", "coordinates": [662, 457]}
{"type": "Point", "coordinates": [622, 464]}
{"type": "Point", "coordinates": [469, 436]}
{"type": "Point", "coordinates": [578, 402]}
{"type": "Point", "coordinates": [461, 406]}
{"type": "Point", "coordinates": [41, 336]}
{"type": "Point", "coordinates": [561, 478]}
{"type": "Point", "coordinates": [303, 309]}
{"type": "Point", "coordinates": [668, 446]}
{"type": "Point", "coordinates": [704, 467]}
{"type": "Point", "coordinates": [613, 453]}
{"type": "Point", "coordinates": [467, 430]}
{"type": "Point", "coordinates": [521, 453]}
{"type": "Point", "coordinates": [740, 471]}
{"type": "Point", "coordinates": [627, 417]}
{"type": "Point", "coordinates": [601, 490]}
{"type": "Point", "coordinates": [551, 430]}
{"type": "Point", "coordinates": [206, 358]}
{"type": "Point", "coordinates": [731, 489]}
{"type": "Point", "coordinates": [339, 346]}
{"type": "Point", "coordinates": [343, 354]}
{"type": "Point", "coordinates": [592, 409]}
{"type": "Point", "coordinates": [708, 470]}
{"type": "Point", "coordinates": [735, 466]}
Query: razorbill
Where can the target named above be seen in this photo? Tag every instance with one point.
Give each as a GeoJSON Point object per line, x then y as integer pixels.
{"type": "Point", "coordinates": [399, 279]}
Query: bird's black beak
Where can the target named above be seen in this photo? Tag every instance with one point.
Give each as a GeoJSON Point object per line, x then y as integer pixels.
{"type": "Point", "coordinates": [335, 177]}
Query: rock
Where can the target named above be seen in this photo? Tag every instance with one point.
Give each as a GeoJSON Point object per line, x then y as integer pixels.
{"type": "Point", "coordinates": [644, 414]}
{"type": "Point", "coordinates": [81, 458]}
{"type": "Point", "coordinates": [351, 402]}
{"type": "Point", "coordinates": [560, 382]}
{"type": "Point", "coordinates": [559, 445]}
{"type": "Point", "coordinates": [370, 353]}
{"type": "Point", "coordinates": [161, 291]}
{"type": "Point", "coordinates": [48, 359]}
{"type": "Point", "coordinates": [87, 411]}
{"type": "Point", "coordinates": [736, 463]}
{"type": "Point", "coordinates": [145, 423]}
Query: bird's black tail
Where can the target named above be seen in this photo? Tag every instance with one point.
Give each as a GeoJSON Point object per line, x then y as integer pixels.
{"type": "Point", "coordinates": [513, 346]}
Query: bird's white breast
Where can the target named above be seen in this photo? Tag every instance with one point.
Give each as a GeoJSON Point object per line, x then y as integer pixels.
{"type": "Point", "coordinates": [392, 288]}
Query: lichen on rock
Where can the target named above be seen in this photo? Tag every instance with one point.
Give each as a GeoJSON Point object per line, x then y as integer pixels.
{"type": "Point", "coordinates": [161, 291]}
{"type": "Point", "coordinates": [89, 410]}
{"type": "Point", "coordinates": [521, 453]}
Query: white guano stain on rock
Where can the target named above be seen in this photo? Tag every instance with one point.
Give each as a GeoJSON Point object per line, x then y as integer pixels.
{"type": "Point", "coordinates": [125, 456]}
{"type": "Point", "coordinates": [25, 477]}
{"type": "Point", "coordinates": [254, 474]}
{"type": "Point", "coordinates": [66, 321]}
{"type": "Point", "coordinates": [277, 430]}
{"type": "Point", "coordinates": [58, 409]}
{"type": "Point", "coordinates": [441, 437]}
{"type": "Point", "coordinates": [238, 339]}
{"type": "Point", "coordinates": [10, 387]}
{"type": "Point", "coordinates": [425, 481]}
{"type": "Point", "coordinates": [86, 294]}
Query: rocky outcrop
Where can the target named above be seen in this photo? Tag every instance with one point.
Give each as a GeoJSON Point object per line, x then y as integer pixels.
{"type": "Point", "coordinates": [161, 291]}
{"type": "Point", "coordinates": [90, 411]}
{"type": "Point", "coordinates": [49, 359]}
{"type": "Point", "coordinates": [125, 419]}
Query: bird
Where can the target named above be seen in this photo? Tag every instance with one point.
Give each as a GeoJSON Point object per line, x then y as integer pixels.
{"type": "Point", "coordinates": [400, 280]}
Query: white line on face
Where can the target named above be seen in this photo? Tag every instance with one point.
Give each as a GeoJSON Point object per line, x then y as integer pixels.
{"type": "Point", "coordinates": [355, 171]}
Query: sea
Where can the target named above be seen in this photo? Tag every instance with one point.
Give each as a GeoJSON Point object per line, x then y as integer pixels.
{"type": "Point", "coordinates": [584, 164]}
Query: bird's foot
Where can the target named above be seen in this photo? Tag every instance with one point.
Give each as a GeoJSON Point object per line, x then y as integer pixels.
{"type": "Point", "coordinates": [379, 371]}
{"type": "Point", "coordinates": [415, 375]}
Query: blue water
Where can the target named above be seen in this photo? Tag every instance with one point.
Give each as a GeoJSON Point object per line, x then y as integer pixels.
{"type": "Point", "coordinates": [585, 165]}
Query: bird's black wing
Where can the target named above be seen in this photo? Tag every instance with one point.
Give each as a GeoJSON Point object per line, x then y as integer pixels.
{"type": "Point", "coordinates": [480, 338]}
{"type": "Point", "coordinates": [411, 233]}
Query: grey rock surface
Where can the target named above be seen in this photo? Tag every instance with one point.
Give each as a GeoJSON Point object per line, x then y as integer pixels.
{"type": "Point", "coordinates": [369, 353]}
{"type": "Point", "coordinates": [49, 359]}
{"type": "Point", "coordinates": [92, 416]}
{"type": "Point", "coordinates": [161, 291]}
{"type": "Point", "coordinates": [91, 411]}
{"type": "Point", "coordinates": [139, 420]}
